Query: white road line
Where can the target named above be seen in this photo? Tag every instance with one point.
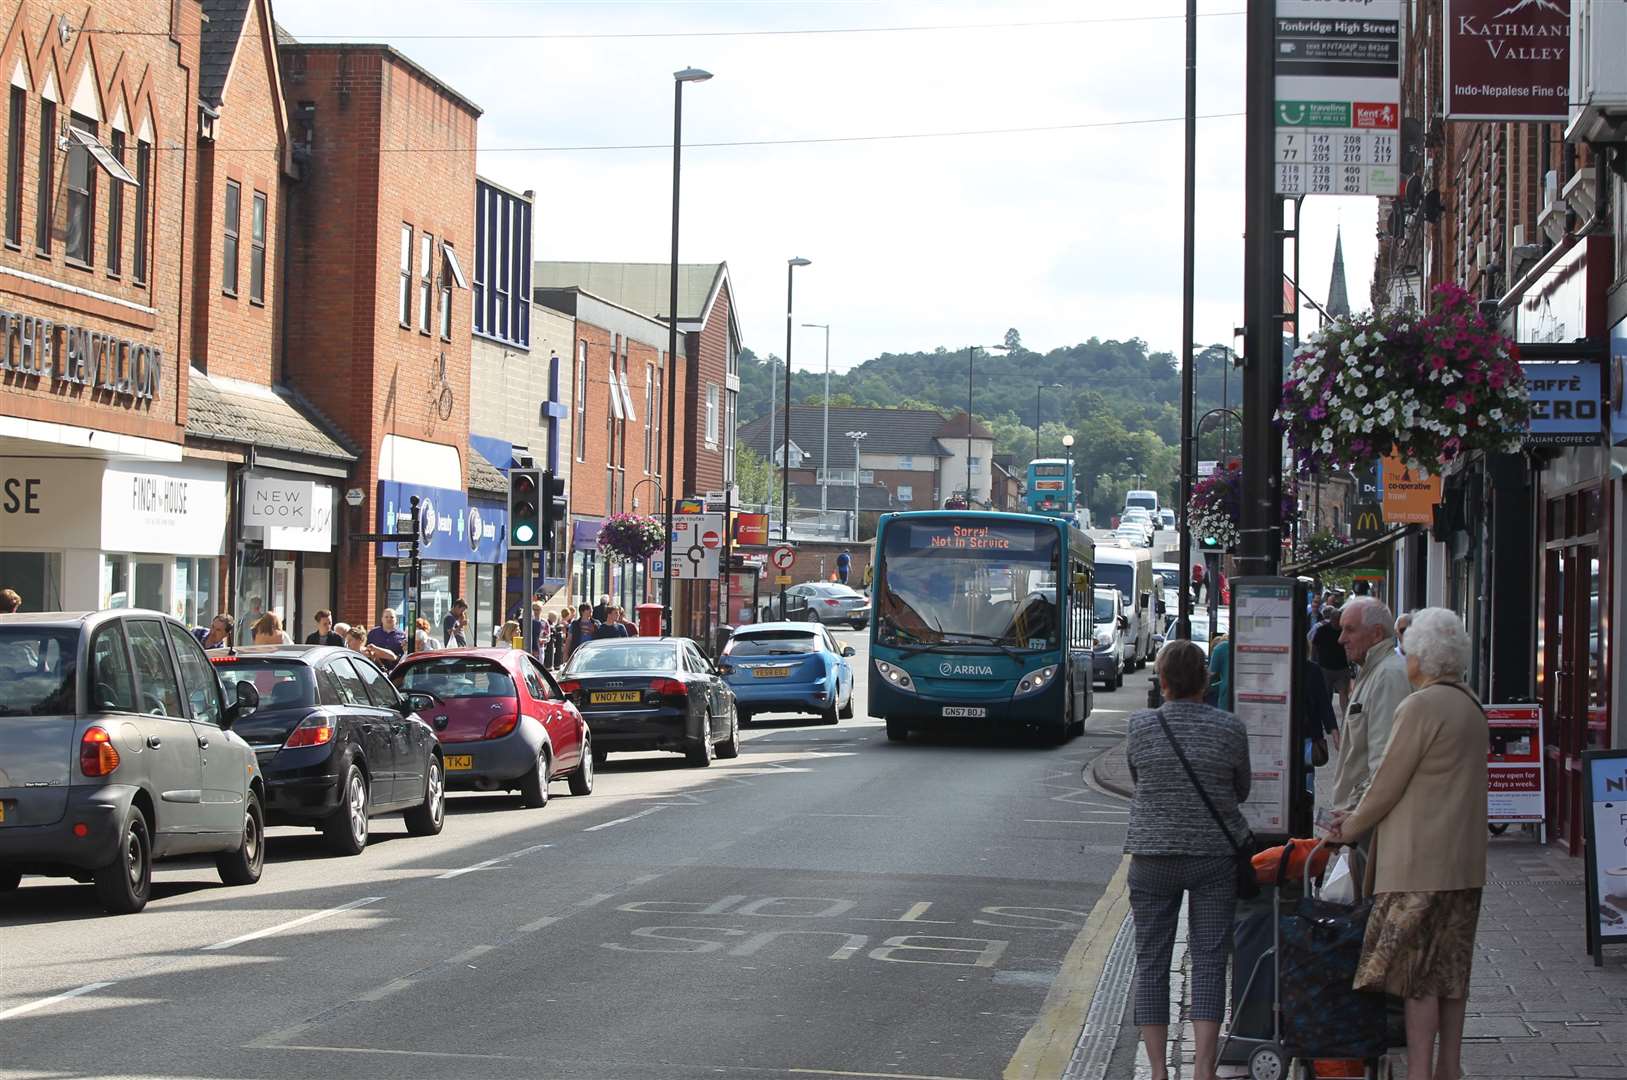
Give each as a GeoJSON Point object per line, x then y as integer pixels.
{"type": "Point", "coordinates": [291, 923]}
{"type": "Point", "coordinates": [18, 1010]}
{"type": "Point", "coordinates": [644, 879]}
{"type": "Point", "coordinates": [846, 815]}
{"type": "Point", "coordinates": [469, 954]}
{"type": "Point", "coordinates": [1075, 821]}
{"type": "Point", "coordinates": [482, 865]}
{"type": "Point", "coordinates": [622, 820]}
{"type": "Point", "coordinates": [533, 927]}
{"type": "Point", "coordinates": [596, 898]}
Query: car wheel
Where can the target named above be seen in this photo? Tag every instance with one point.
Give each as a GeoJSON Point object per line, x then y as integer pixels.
{"type": "Point", "coordinates": [345, 831]}
{"type": "Point", "coordinates": [582, 776]}
{"type": "Point", "coordinates": [831, 715]}
{"type": "Point", "coordinates": [9, 880]}
{"type": "Point", "coordinates": [700, 755]}
{"type": "Point", "coordinates": [846, 712]}
{"type": "Point", "coordinates": [534, 784]}
{"type": "Point", "coordinates": [730, 748]}
{"type": "Point", "coordinates": [243, 866]}
{"type": "Point", "coordinates": [124, 884]}
{"type": "Point", "coordinates": [427, 818]}
{"type": "Point", "coordinates": [744, 716]}
{"type": "Point", "coordinates": [600, 757]}
{"type": "Point", "coordinates": [897, 730]}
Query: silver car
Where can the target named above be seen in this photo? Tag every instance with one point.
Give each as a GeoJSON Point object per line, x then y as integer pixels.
{"type": "Point", "coordinates": [116, 750]}
{"type": "Point", "coordinates": [827, 602]}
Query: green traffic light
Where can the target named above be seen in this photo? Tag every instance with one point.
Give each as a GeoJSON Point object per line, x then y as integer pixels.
{"type": "Point", "coordinates": [524, 533]}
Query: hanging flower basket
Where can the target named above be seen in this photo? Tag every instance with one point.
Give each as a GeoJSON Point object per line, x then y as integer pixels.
{"type": "Point", "coordinates": [631, 537]}
{"type": "Point", "coordinates": [1216, 508]}
{"type": "Point", "coordinates": [1426, 387]}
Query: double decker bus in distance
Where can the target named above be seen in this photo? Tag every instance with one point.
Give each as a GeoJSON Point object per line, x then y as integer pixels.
{"type": "Point", "coordinates": [1050, 487]}
{"type": "Point", "coordinates": [984, 617]}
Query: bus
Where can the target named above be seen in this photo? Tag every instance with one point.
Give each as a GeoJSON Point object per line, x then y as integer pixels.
{"type": "Point", "coordinates": [981, 616]}
{"type": "Point", "coordinates": [1050, 487]}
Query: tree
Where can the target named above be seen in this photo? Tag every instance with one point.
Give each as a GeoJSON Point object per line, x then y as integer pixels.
{"type": "Point", "coordinates": [759, 481]}
{"type": "Point", "coordinates": [1014, 340]}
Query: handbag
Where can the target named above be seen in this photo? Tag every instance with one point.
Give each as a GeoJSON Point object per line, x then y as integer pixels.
{"type": "Point", "coordinates": [1247, 886]}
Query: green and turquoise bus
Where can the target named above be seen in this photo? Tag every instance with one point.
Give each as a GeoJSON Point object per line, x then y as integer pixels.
{"type": "Point", "coordinates": [984, 617]}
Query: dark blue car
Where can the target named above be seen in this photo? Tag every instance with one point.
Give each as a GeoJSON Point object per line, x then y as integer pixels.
{"type": "Point", "coordinates": [789, 667]}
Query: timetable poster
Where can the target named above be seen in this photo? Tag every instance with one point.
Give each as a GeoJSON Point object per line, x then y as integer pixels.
{"type": "Point", "coordinates": [1263, 633]}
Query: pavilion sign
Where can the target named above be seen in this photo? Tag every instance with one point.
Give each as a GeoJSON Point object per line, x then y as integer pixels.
{"type": "Point", "coordinates": [33, 347]}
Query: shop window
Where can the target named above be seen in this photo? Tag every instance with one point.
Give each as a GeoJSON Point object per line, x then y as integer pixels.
{"type": "Point", "coordinates": [160, 693]}
{"type": "Point", "coordinates": [81, 237]}
{"type": "Point", "coordinates": [138, 252]}
{"type": "Point", "coordinates": [15, 133]}
{"type": "Point", "coordinates": [47, 178]}
{"type": "Point", "coordinates": [257, 250]}
{"type": "Point", "coordinates": [110, 678]}
{"type": "Point", "coordinates": [115, 213]}
{"type": "Point", "coordinates": [231, 219]}
{"type": "Point", "coordinates": [36, 576]}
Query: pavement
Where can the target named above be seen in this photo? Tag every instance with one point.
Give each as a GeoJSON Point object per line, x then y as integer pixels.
{"type": "Point", "coordinates": [1538, 1007]}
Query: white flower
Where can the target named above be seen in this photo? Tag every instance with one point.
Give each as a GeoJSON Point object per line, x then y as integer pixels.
{"type": "Point", "coordinates": [1463, 429]}
{"type": "Point", "coordinates": [1496, 414]}
{"type": "Point", "coordinates": [1361, 390]}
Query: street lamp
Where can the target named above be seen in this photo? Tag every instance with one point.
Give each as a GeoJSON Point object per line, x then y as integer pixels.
{"type": "Point", "coordinates": [1073, 495]}
{"type": "Point", "coordinates": [687, 75]}
{"type": "Point", "coordinates": [824, 448]}
{"type": "Point", "coordinates": [857, 437]}
{"type": "Point", "coordinates": [785, 457]}
{"type": "Point", "coordinates": [971, 354]}
{"type": "Point", "coordinates": [1038, 390]}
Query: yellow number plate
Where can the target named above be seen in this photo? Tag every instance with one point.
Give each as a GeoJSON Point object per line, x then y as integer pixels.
{"type": "Point", "coordinates": [459, 762]}
{"type": "Point", "coordinates": [771, 672]}
{"type": "Point", "coordinates": [615, 697]}
{"type": "Point", "coordinates": [2, 813]}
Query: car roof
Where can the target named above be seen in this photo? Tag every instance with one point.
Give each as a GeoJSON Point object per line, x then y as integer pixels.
{"type": "Point", "coordinates": [305, 654]}
{"type": "Point", "coordinates": [800, 627]}
{"type": "Point", "coordinates": [77, 618]}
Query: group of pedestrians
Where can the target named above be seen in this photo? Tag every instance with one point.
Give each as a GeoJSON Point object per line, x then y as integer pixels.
{"type": "Point", "coordinates": [556, 635]}
{"type": "Point", "coordinates": [1409, 791]}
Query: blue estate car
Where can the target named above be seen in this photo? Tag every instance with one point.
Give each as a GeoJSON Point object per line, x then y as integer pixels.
{"type": "Point", "coordinates": [789, 667]}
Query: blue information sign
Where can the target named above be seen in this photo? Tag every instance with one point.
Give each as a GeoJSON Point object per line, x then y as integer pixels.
{"type": "Point", "coordinates": [452, 526]}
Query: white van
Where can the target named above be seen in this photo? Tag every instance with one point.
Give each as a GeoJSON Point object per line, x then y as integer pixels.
{"type": "Point", "coordinates": [1141, 499]}
{"type": "Point", "coordinates": [1129, 570]}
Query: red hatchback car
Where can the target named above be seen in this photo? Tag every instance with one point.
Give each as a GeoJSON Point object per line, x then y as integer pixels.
{"type": "Point", "coordinates": [503, 723]}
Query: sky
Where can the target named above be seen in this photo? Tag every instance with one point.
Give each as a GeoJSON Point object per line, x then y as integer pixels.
{"type": "Point", "coordinates": [1065, 234]}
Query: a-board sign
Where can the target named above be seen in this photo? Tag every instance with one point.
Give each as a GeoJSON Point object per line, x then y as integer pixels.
{"type": "Point", "coordinates": [1605, 824]}
{"type": "Point", "coordinates": [1514, 791]}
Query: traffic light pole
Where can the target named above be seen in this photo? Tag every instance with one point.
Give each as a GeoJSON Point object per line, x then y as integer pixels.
{"type": "Point", "coordinates": [1189, 457]}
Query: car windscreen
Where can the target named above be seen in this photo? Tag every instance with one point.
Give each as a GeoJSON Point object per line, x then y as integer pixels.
{"type": "Point", "coordinates": [281, 683]}
{"type": "Point", "coordinates": [1104, 610]}
{"type": "Point", "coordinates": [622, 656]}
{"type": "Point", "coordinates": [833, 589]}
{"type": "Point", "coordinates": [1120, 576]}
{"type": "Point", "coordinates": [450, 677]}
{"type": "Point", "coordinates": [37, 665]}
{"type": "Point", "coordinates": [772, 643]}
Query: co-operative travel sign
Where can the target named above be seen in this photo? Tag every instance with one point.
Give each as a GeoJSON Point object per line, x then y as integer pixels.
{"type": "Point", "coordinates": [1338, 97]}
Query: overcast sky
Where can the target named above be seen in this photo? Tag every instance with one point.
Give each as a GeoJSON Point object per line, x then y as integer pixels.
{"type": "Point", "coordinates": [919, 242]}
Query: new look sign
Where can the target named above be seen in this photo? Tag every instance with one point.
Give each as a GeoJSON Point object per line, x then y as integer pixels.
{"type": "Point", "coordinates": [271, 500]}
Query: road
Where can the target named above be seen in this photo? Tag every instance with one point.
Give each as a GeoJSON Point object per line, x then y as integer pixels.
{"type": "Point", "coordinates": [828, 904]}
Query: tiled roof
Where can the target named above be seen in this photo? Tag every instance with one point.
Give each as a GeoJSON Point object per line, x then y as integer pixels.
{"type": "Point", "coordinates": [219, 46]}
{"type": "Point", "coordinates": [484, 476]}
{"type": "Point", "coordinates": [955, 428]}
{"type": "Point", "coordinates": [227, 410]}
{"type": "Point", "coordinates": [641, 287]}
{"type": "Point", "coordinates": [890, 431]}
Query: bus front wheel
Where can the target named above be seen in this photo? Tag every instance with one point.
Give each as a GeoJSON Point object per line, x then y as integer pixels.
{"type": "Point", "coordinates": [897, 731]}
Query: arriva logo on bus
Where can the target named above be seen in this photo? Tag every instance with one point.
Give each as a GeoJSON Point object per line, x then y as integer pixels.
{"type": "Point", "coordinates": [949, 667]}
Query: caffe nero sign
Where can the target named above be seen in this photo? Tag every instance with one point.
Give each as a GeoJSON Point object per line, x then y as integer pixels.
{"type": "Point", "coordinates": [68, 356]}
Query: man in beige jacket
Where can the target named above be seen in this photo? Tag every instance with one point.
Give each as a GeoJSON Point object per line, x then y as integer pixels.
{"type": "Point", "coordinates": [1366, 630]}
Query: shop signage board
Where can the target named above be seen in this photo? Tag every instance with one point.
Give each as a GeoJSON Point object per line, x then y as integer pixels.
{"type": "Point", "coordinates": [318, 536]}
{"type": "Point", "coordinates": [692, 558]}
{"type": "Point", "coordinates": [43, 505]}
{"type": "Point", "coordinates": [1410, 497]}
{"type": "Point", "coordinates": [451, 527]}
{"type": "Point", "coordinates": [1567, 407]}
{"type": "Point", "coordinates": [1514, 780]}
{"type": "Point", "coordinates": [277, 500]}
{"type": "Point", "coordinates": [1507, 60]}
{"type": "Point", "coordinates": [1267, 634]}
{"type": "Point", "coordinates": [1605, 827]}
{"type": "Point", "coordinates": [1618, 384]}
{"type": "Point", "coordinates": [1367, 523]}
{"type": "Point", "coordinates": [177, 508]}
{"type": "Point", "coordinates": [1554, 309]}
{"type": "Point", "coordinates": [751, 530]}
{"type": "Point", "coordinates": [1338, 97]}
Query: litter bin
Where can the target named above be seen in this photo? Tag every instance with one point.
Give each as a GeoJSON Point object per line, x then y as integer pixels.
{"type": "Point", "coordinates": [649, 620]}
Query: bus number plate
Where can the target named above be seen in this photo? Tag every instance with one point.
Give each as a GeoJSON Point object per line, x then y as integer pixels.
{"type": "Point", "coordinates": [965, 710]}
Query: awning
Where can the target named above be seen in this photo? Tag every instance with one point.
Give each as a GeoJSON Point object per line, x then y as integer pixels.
{"type": "Point", "coordinates": [279, 424]}
{"type": "Point", "coordinates": [1353, 555]}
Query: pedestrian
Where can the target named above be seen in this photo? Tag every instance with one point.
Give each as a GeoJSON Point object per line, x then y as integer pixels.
{"type": "Point", "coordinates": [268, 630]}
{"type": "Point", "coordinates": [218, 634]}
{"type": "Point", "coordinates": [422, 639]}
{"type": "Point", "coordinates": [534, 643]}
{"type": "Point", "coordinates": [582, 629]}
{"type": "Point", "coordinates": [387, 637]}
{"type": "Point", "coordinates": [561, 628]}
{"type": "Point", "coordinates": [1363, 587]}
{"type": "Point", "coordinates": [10, 602]}
{"type": "Point", "coordinates": [1220, 670]}
{"type": "Point", "coordinates": [454, 625]}
{"type": "Point", "coordinates": [1365, 628]}
{"type": "Point", "coordinates": [252, 619]}
{"type": "Point", "coordinates": [341, 628]}
{"type": "Point", "coordinates": [325, 633]}
{"type": "Point", "coordinates": [1178, 846]}
{"type": "Point", "coordinates": [1402, 621]}
{"type": "Point", "coordinates": [1330, 657]}
{"type": "Point", "coordinates": [612, 627]}
{"type": "Point", "coordinates": [1197, 584]}
{"type": "Point", "coordinates": [357, 639]}
{"type": "Point", "coordinates": [504, 638]}
{"type": "Point", "coordinates": [844, 564]}
{"type": "Point", "coordinates": [601, 610]}
{"type": "Point", "coordinates": [869, 575]}
{"type": "Point", "coordinates": [1427, 806]}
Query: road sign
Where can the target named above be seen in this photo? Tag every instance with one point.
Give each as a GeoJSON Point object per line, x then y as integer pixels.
{"type": "Point", "coordinates": [1207, 469]}
{"type": "Point", "coordinates": [711, 539]}
{"type": "Point", "coordinates": [783, 558]}
{"type": "Point", "coordinates": [354, 497]}
{"type": "Point", "coordinates": [693, 559]}
{"type": "Point", "coordinates": [782, 579]}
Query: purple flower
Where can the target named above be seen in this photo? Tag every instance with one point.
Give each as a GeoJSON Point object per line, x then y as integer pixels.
{"type": "Point", "coordinates": [1318, 412]}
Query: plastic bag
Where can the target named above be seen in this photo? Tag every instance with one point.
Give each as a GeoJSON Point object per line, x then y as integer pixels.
{"type": "Point", "coordinates": [1339, 884]}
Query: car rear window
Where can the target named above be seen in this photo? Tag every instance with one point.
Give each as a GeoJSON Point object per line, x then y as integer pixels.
{"type": "Point", "coordinates": [282, 684]}
{"type": "Point", "coordinates": [37, 666]}
{"type": "Point", "coordinates": [450, 677]}
{"type": "Point", "coordinates": [772, 643]}
{"type": "Point", "coordinates": [618, 656]}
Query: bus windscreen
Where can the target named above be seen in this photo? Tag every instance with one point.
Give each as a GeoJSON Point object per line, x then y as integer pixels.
{"type": "Point", "coordinates": [947, 581]}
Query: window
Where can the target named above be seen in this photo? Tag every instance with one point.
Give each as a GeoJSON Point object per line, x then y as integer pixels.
{"type": "Point", "coordinates": [231, 220]}
{"type": "Point", "coordinates": [615, 396]}
{"type": "Point", "coordinates": [47, 178]}
{"type": "Point", "coordinates": [649, 418]}
{"type": "Point", "coordinates": [138, 254]}
{"type": "Point", "coordinates": [657, 417]}
{"type": "Point", "coordinates": [378, 687]}
{"type": "Point", "coordinates": [711, 415]}
{"type": "Point", "coordinates": [202, 688]}
{"type": "Point", "coordinates": [483, 234]}
{"type": "Point", "coordinates": [730, 412]}
{"type": "Point", "coordinates": [406, 276]}
{"type": "Point", "coordinates": [581, 401]}
{"type": "Point", "coordinates": [81, 238]}
{"type": "Point", "coordinates": [160, 693]}
{"type": "Point", "coordinates": [450, 271]}
{"type": "Point", "coordinates": [257, 249]}
{"type": "Point", "coordinates": [905, 493]}
{"type": "Point", "coordinates": [974, 465]}
{"type": "Point", "coordinates": [110, 672]}
{"type": "Point", "coordinates": [14, 166]}
{"type": "Point", "coordinates": [115, 212]}
{"type": "Point", "coordinates": [906, 462]}
{"type": "Point", "coordinates": [500, 280]}
{"type": "Point", "coordinates": [351, 688]}
{"type": "Point", "coordinates": [426, 278]}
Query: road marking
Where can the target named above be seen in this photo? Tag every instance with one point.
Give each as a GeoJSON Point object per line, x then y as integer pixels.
{"type": "Point", "coordinates": [874, 1075]}
{"type": "Point", "coordinates": [32, 1006]}
{"type": "Point", "coordinates": [533, 927]}
{"type": "Point", "coordinates": [490, 862]}
{"type": "Point", "coordinates": [394, 986]}
{"type": "Point", "coordinates": [1049, 1044]}
{"type": "Point", "coordinates": [622, 820]}
{"type": "Point", "coordinates": [596, 898]}
{"type": "Point", "coordinates": [291, 923]}
{"type": "Point", "coordinates": [644, 879]}
{"type": "Point", "coordinates": [394, 1053]}
{"type": "Point", "coordinates": [469, 954]}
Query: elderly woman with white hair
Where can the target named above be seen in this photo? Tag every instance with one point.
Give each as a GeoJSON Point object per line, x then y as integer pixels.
{"type": "Point", "coordinates": [1427, 807]}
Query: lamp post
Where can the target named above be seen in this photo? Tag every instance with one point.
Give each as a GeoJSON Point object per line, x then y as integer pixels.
{"type": "Point", "coordinates": [687, 75]}
{"type": "Point", "coordinates": [1038, 390]}
{"type": "Point", "coordinates": [971, 354]}
{"type": "Point", "coordinates": [824, 446]}
{"type": "Point", "coordinates": [785, 457]}
{"type": "Point", "coordinates": [1073, 495]}
{"type": "Point", "coordinates": [857, 437]}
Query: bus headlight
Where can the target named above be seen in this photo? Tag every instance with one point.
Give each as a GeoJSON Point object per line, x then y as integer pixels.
{"type": "Point", "coordinates": [896, 677]}
{"type": "Point", "coordinates": [1035, 681]}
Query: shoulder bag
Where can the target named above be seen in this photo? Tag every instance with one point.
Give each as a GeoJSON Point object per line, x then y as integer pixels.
{"type": "Point", "coordinates": [1247, 886]}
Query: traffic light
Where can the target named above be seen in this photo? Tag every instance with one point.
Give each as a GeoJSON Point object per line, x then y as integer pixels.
{"type": "Point", "coordinates": [525, 532]}
{"type": "Point", "coordinates": [1209, 543]}
{"type": "Point", "coordinates": [553, 507]}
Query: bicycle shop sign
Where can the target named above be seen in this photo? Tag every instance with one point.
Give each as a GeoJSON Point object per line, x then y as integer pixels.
{"type": "Point", "coordinates": [34, 347]}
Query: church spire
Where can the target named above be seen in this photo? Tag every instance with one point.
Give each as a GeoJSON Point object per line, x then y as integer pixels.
{"type": "Point", "coordinates": [1338, 296]}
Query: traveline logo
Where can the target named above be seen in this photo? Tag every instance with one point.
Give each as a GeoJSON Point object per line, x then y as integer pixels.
{"type": "Point", "coordinates": [949, 667]}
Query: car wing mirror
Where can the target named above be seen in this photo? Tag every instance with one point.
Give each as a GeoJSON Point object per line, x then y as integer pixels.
{"type": "Point", "coordinates": [420, 701]}
{"type": "Point", "coordinates": [725, 669]}
{"type": "Point", "coordinates": [1124, 622]}
{"type": "Point", "coordinates": [245, 699]}
{"type": "Point", "coordinates": [848, 650]}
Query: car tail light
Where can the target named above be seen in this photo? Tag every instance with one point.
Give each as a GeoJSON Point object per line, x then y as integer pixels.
{"type": "Point", "coordinates": [569, 686]}
{"type": "Point", "coordinates": [668, 688]}
{"type": "Point", "coordinates": [312, 731]}
{"type": "Point", "coordinates": [97, 754]}
{"type": "Point", "coordinates": [832, 603]}
{"type": "Point", "coordinates": [503, 723]}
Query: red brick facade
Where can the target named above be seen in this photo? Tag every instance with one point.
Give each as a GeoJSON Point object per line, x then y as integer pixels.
{"type": "Point", "coordinates": [707, 353]}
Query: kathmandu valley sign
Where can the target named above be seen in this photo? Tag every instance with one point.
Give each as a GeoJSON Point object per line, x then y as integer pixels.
{"type": "Point", "coordinates": [1507, 59]}
{"type": "Point", "coordinates": [35, 348]}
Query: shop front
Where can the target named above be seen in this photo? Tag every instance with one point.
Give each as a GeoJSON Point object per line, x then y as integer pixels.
{"type": "Point", "coordinates": [285, 554]}
{"type": "Point", "coordinates": [454, 530]}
